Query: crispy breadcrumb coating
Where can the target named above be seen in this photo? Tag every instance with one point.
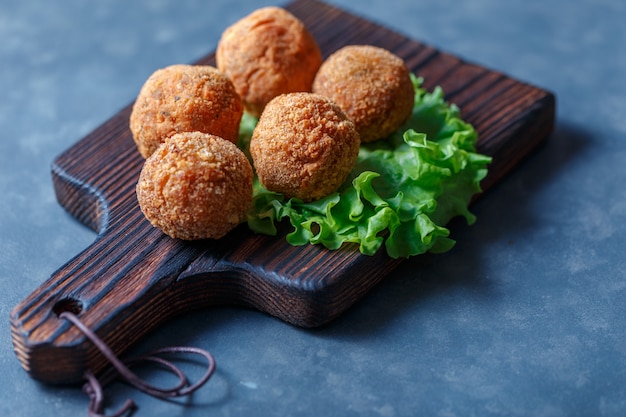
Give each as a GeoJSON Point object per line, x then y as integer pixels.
{"type": "Point", "coordinates": [185, 98]}
{"type": "Point", "coordinates": [268, 53]}
{"type": "Point", "coordinates": [373, 87]}
{"type": "Point", "coordinates": [195, 186]}
{"type": "Point", "coordinates": [304, 146]}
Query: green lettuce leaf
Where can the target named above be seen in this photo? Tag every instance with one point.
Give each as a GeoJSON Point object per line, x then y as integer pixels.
{"type": "Point", "coordinates": [401, 194]}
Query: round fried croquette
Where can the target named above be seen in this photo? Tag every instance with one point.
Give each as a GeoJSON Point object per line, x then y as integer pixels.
{"type": "Point", "coordinates": [268, 53]}
{"type": "Point", "coordinates": [373, 87]}
{"type": "Point", "coordinates": [185, 98]}
{"type": "Point", "coordinates": [195, 186]}
{"type": "Point", "coordinates": [303, 146]}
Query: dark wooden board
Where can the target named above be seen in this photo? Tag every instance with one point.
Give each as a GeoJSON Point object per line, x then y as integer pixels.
{"type": "Point", "coordinates": [133, 277]}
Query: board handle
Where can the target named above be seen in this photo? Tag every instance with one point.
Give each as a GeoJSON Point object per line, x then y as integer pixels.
{"type": "Point", "coordinates": [121, 288]}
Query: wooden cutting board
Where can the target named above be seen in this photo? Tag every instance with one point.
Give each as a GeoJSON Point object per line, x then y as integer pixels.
{"type": "Point", "coordinates": [133, 277]}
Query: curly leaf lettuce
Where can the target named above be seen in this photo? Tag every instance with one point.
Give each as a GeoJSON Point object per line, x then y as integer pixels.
{"type": "Point", "coordinates": [401, 193]}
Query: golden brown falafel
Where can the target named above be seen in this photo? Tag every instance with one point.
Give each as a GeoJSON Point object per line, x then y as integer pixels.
{"type": "Point", "coordinates": [372, 85]}
{"type": "Point", "coordinates": [304, 146]}
{"type": "Point", "coordinates": [185, 98]}
{"type": "Point", "coordinates": [268, 53]}
{"type": "Point", "coordinates": [195, 186]}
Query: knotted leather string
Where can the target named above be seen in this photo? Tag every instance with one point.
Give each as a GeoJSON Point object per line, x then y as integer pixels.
{"type": "Point", "coordinates": [121, 369]}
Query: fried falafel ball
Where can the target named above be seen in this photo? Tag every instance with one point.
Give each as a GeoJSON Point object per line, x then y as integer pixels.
{"type": "Point", "coordinates": [185, 98]}
{"type": "Point", "coordinates": [195, 186]}
{"type": "Point", "coordinates": [268, 53]}
{"type": "Point", "coordinates": [372, 85]}
{"type": "Point", "coordinates": [303, 146]}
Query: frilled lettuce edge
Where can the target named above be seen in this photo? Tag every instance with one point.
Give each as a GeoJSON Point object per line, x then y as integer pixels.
{"type": "Point", "coordinates": [401, 194]}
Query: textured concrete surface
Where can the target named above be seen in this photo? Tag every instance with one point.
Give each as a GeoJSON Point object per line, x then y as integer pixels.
{"type": "Point", "coordinates": [526, 316]}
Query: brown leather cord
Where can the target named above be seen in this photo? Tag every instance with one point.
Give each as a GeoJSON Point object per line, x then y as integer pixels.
{"type": "Point", "coordinates": [121, 369]}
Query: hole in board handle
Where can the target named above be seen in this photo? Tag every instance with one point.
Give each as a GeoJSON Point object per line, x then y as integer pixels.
{"type": "Point", "coordinates": [69, 304]}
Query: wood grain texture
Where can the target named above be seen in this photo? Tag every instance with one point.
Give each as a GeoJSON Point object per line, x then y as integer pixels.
{"type": "Point", "coordinates": [133, 277]}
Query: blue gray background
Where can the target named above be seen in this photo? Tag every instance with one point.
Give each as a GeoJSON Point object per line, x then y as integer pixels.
{"type": "Point", "coordinates": [526, 316]}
